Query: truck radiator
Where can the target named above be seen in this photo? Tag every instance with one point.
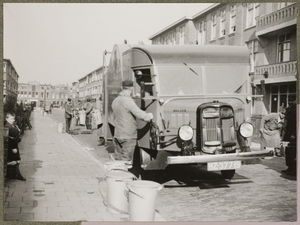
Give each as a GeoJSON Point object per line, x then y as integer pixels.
{"type": "Point", "coordinates": [214, 132]}
{"type": "Point", "coordinates": [211, 132]}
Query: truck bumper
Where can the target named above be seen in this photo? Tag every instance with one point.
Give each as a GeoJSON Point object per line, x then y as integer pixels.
{"type": "Point", "coordinates": [218, 158]}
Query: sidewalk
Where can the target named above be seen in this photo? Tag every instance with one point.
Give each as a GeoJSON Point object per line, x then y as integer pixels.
{"type": "Point", "coordinates": [62, 179]}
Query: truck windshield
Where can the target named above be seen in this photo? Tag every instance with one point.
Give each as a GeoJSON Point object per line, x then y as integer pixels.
{"type": "Point", "coordinates": [199, 80]}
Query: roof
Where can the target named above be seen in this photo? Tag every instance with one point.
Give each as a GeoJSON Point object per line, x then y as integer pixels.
{"type": "Point", "coordinates": [183, 19]}
{"type": "Point", "coordinates": [84, 77]}
{"type": "Point", "coordinates": [192, 54]}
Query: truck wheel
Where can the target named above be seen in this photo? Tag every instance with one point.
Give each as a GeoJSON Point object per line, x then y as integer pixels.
{"type": "Point", "coordinates": [228, 174]}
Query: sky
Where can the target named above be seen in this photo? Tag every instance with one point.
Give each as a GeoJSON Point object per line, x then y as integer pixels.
{"type": "Point", "coordinates": [59, 43]}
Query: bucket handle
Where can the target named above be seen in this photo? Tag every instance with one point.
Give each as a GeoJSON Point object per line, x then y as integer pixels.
{"type": "Point", "coordinates": [107, 204]}
{"type": "Point", "coordinates": [129, 190]}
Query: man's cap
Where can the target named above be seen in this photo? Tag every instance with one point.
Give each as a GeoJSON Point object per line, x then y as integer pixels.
{"type": "Point", "coordinates": [13, 132]}
{"type": "Point", "coordinates": [127, 83]}
{"type": "Point", "coordinates": [69, 99]}
{"type": "Point", "coordinates": [292, 97]}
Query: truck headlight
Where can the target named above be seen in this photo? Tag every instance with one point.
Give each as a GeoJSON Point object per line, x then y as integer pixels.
{"type": "Point", "coordinates": [246, 130]}
{"type": "Point", "coordinates": [185, 133]}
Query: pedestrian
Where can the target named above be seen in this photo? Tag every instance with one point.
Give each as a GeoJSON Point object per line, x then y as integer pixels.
{"type": "Point", "coordinates": [68, 114]}
{"type": "Point", "coordinates": [125, 112]}
{"type": "Point", "coordinates": [282, 108]}
{"type": "Point", "coordinates": [51, 107]}
{"type": "Point", "coordinates": [19, 116]}
{"type": "Point", "coordinates": [270, 129]}
{"type": "Point", "coordinates": [290, 135]}
{"type": "Point", "coordinates": [88, 107]}
{"type": "Point", "coordinates": [13, 154]}
{"type": "Point", "coordinates": [100, 123]}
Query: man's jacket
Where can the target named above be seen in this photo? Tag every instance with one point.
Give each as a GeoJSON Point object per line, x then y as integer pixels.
{"type": "Point", "coordinates": [68, 110]}
{"type": "Point", "coordinates": [125, 112]}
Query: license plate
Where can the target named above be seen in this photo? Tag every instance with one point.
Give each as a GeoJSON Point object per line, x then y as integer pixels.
{"type": "Point", "coordinates": [227, 165]}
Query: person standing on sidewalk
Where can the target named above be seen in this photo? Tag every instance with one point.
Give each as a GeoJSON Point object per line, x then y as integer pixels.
{"type": "Point", "coordinates": [125, 112]}
{"type": "Point", "coordinates": [13, 154]}
{"type": "Point", "coordinates": [270, 129]}
{"type": "Point", "coordinates": [88, 107]}
{"type": "Point", "coordinates": [68, 114]}
{"type": "Point", "coordinates": [290, 135]}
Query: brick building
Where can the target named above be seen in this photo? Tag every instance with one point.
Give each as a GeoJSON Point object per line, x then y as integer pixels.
{"type": "Point", "coordinates": [10, 83]}
{"type": "Point", "coordinates": [267, 29]}
{"type": "Point", "coordinates": [91, 86]}
{"type": "Point", "coordinates": [39, 93]}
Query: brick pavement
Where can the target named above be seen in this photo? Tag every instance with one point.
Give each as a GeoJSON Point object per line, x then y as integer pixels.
{"type": "Point", "coordinates": [62, 179]}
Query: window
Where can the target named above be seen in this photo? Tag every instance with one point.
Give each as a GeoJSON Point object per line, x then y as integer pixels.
{"type": "Point", "coordinates": [252, 13]}
{"type": "Point", "coordinates": [279, 95]}
{"type": "Point", "coordinates": [174, 38]}
{"type": "Point", "coordinates": [213, 26]}
{"type": "Point", "coordinates": [284, 47]}
{"type": "Point", "coordinates": [181, 35]}
{"type": "Point", "coordinates": [222, 23]}
{"type": "Point", "coordinates": [232, 18]}
{"type": "Point", "coordinates": [162, 40]}
{"type": "Point", "coordinates": [253, 50]}
{"type": "Point", "coordinates": [202, 32]}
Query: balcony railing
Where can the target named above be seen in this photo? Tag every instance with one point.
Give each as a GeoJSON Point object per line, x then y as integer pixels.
{"type": "Point", "coordinates": [280, 16]}
{"type": "Point", "coordinates": [276, 70]}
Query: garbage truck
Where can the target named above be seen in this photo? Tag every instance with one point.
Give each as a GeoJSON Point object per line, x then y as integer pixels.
{"type": "Point", "coordinates": [200, 97]}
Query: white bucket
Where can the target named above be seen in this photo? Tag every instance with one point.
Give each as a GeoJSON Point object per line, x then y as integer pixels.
{"type": "Point", "coordinates": [60, 127]}
{"type": "Point", "coordinates": [117, 201]}
{"type": "Point", "coordinates": [142, 198]}
{"type": "Point", "coordinates": [111, 165]}
{"type": "Point", "coordinates": [82, 117]}
{"type": "Point", "coordinates": [45, 113]}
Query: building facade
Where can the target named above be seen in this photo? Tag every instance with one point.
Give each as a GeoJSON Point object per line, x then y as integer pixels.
{"type": "Point", "coordinates": [10, 83]}
{"type": "Point", "coordinates": [39, 93]}
{"type": "Point", "coordinates": [90, 86]}
{"type": "Point", "coordinates": [267, 29]}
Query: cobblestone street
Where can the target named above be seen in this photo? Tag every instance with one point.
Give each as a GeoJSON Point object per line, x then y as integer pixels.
{"type": "Point", "coordinates": [260, 191]}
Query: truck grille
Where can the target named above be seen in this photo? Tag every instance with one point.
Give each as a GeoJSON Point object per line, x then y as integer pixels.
{"type": "Point", "coordinates": [213, 131]}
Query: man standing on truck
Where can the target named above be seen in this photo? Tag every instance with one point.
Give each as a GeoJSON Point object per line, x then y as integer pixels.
{"type": "Point", "coordinates": [125, 112]}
